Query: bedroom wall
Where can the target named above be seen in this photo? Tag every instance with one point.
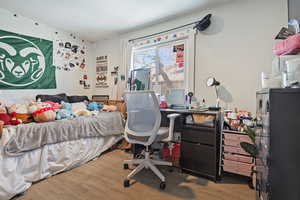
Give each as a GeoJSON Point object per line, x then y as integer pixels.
{"type": "Point", "coordinates": [235, 49]}
{"type": "Point", "coordinates": [67, 82]}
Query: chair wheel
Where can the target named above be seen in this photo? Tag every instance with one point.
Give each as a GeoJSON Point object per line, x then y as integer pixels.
{"type": "Point", "coordinates": [162, 185]}
{"type": "Point", "coordinates": [126, 183]}
{"type": "Point", "coordinates": [125, 166]}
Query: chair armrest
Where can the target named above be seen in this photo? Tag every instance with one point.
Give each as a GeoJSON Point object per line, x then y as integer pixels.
{"type": "Point", "coordinates": [173, 115]}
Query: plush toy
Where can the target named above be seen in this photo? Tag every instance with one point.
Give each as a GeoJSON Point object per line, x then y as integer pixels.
{"type": "Point", "coordinates": [20, 111]}
{"type": "Point", "coordinates": [109, 108]}
{"type": "Point", "coordinates": [83, 113]}
{"type": "Point", "coordinates": [80, 109]}
{"type": "Point", "coordinates": [65, 111]}
{"type": "Point", "coordinates": [66, 106]}
{"type": "Point", "coordinates": [94, 106]}
{"type": "Point", "coordinates": [3, 109]}
{"type": "Point", "coordinates": [9, 119]}
{"type": "Point", "coordinates": [64, 114]}
{"type": "Point", "coordinates": [54, 105]}
{"type": "Point", "coordinates": [17, 108]}
{"type": "Point", "coordinates": [42, 112]}
{"type": "Point", "coordinates": [76, 107]}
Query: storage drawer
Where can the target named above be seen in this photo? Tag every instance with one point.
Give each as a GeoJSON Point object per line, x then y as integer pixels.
{"type": "Point", "coordinates": [202, 136]}
{"type": "Point", "coordinates": [237, 150]}
{"type": "Point", "coordinates": [237, 167]}
{"type": "Point", "coordinates": [237, 138]}
{"type": "Point", "coordinates": [198, 158]}
{"type": "Point", "coordinates": [238, 158]}
{"type": "Point", "coordinates": [234, 143]}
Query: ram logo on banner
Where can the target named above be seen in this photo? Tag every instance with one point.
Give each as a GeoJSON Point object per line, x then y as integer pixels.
{"type": "Point", "coordinates": [26, 62]}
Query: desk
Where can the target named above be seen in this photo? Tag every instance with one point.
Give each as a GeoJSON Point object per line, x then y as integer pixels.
{"type": "Point", "coordinates": [200, 143]}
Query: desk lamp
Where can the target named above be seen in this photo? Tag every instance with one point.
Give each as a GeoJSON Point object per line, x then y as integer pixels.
{"type": "Point", "coordinates": [211, 81]}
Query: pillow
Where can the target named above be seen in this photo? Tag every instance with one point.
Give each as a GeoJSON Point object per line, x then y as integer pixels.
{"type": "Point", "coordinates": [54, 98]}
{"type": "Point", "coordinates": [78, 107]}
{"type": "Point", "coordinates": [76, 99]}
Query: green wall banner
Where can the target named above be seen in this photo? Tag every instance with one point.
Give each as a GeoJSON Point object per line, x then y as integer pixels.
{"type": "Point", "coordinates": [26, 62]}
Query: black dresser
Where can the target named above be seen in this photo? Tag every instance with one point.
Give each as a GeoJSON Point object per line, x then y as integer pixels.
{"type": "Point", "coordinates": [278, 140]}
{"type": "Point", "coordinates": [200, 143]}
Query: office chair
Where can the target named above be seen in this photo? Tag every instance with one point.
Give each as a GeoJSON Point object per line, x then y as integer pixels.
{"type": "Point", "coordinates": [143, 127]}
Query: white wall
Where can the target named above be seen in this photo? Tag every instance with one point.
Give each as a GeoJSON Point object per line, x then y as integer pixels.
{"type": "Point", "coordinates": [235, 49]}
{"type": "Point", "coordinates": [112, 48]}
{"type": "Point", "coordinates": [67, 82]}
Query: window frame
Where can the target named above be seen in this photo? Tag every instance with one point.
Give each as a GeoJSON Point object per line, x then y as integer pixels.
{"type": "Point", "coordinates": [189, 53]}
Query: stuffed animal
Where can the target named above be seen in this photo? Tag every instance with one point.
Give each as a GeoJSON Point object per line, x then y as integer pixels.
{"type": "Point", "coordinates": [17, 108]}
{"type": "Point", "coordinates": [65, 111]}
{"type": "Point", "coordinates": [79, 106]}
{"type": "Point", "coordinates": [42, 112]}
{"type": "Point", "coordinates": [94, 106]}
{"type": "Point", "coordinates": [110, 108]}
{"type": "Point", "coordinates": [9, 119]}
{"type": "Point", "coordinates": [66, 106]}
{"type": "Point", "coordinates": [54, 105]}
{"type": "Point", "coordinates": [80, 109]}
{"type": "Point", "coordinates": [83, 113]}
{"type": "Point", "coordinates": [64, 114]}
{"type": "Point", "coordinates": [3, 108]}
{"type": "Point", "coordinates": [20, 111]}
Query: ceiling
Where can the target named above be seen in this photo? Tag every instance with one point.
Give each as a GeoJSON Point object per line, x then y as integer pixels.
{"type": "Point", "coordinates": [99, 19]}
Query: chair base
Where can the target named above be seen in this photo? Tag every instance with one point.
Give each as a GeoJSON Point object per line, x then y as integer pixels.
{"type": "Point", "coordinates": [147, 163]}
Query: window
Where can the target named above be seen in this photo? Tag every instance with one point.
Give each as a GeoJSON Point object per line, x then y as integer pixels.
{"type": "Point", "coordinates": [166, 63]}
{"type": "Point", "coordinates": [168, 59]}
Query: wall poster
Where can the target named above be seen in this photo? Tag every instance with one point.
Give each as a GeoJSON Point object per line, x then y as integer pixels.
{"type": "Point", "coordinates": [69, 56]}
{"type": "Point", "coordinates": [101, 72]}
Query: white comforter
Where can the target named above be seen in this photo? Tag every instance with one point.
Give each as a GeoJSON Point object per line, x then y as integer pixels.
{"type": "Point", "coordinates": [18, 173]}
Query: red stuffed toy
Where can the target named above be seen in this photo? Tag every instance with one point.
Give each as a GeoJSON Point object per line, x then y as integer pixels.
{"type": "Point", "coordinates": [9, 119]}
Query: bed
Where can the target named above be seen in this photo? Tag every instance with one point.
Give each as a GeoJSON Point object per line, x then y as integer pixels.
{"type": "Point", "coordinates": [32, 152]}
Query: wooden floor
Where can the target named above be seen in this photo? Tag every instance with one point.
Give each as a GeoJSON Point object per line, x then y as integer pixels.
{"type": "Point", "coordinates": [103, 179]}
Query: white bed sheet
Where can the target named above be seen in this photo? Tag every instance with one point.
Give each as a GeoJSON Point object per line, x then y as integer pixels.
{"type": "Point", "coordinates": [18, 173]}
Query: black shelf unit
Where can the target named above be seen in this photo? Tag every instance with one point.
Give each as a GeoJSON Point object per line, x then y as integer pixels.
{"type": "Point", "coordinates": [200, 144]}
{"type": "Point", "coordinates": [278, 140]}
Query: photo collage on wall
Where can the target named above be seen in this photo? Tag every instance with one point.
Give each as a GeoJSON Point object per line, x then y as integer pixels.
{"type": "Point", "coordinates": [68, 56]}
{"type": "Point", "coordinates": [101, 71]}
{"type": "Point", "coordinates": [85, 82]}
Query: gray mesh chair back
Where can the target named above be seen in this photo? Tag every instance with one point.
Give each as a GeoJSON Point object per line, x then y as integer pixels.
{"type": "Point", "coordinates": [143, 113]}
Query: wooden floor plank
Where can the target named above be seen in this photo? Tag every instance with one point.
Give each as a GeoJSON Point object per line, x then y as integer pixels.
{"type": "Point", "coordinates": [103, 179]}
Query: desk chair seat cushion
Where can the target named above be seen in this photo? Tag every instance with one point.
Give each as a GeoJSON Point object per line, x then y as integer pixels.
{"type": "Point", "coordinates": [162, 134]}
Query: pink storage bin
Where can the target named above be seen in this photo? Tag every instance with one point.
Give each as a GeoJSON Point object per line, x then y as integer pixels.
{"type": "Point", "coordinates": [238, 158]}
{"type": "Point", "coordinates": [237, 137]}
{"type": "Point", "coordinates": [228, 136]}
{"type": "Point", "coordinates": [237, 167]}
{"type": "Point", "coordinates": [234, 143]}
{"type": "Point", "coordinates": [232, 149]}
{"type": "Point", "coordinates": [230, 169]}
{"type": "Point", "coordinates": [289, 46]}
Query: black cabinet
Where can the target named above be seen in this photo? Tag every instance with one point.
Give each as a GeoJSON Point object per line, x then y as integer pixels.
{"type": "Point", "coordinates": [278, 140]}
{"type": "Point", "coordinates": [200, 148]}
{"type": "Point", "coordinates": [199, 159]}
{"type": "Point", "coordinates": [200, 142]}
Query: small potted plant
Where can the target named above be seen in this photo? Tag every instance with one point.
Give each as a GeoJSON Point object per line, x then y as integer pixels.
{"type": "Point", "coordinates": [252, 149]}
